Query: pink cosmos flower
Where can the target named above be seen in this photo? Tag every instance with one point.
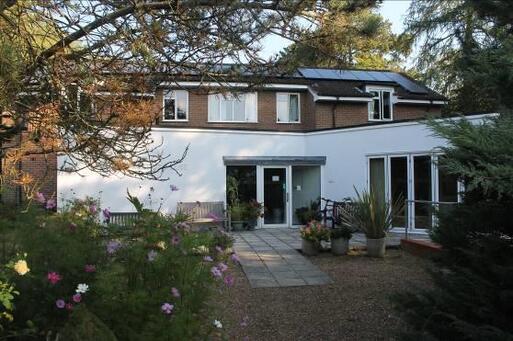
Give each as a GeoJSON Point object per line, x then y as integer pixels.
{"type": "Point", "coordinates": [216, 272]}
{"type": "Point", "coordinates": [60, 303]}
{"type": "Point", "coordinates": [229, 280]}
{"type": "Point", "coordinates": [208, 259]}
{"type": "Point", "coordinates": [89, 268]}
{"type": "Point", "coordinates": [113, 246]}
{"type": "Point", "coordinates": [54, 277]}
{"type": "Point", "coordinates": [50, 204]}
{"type": "Point", "coordinates": [77, 298]}
{"type": "Point", "coordinates": [175, 240]}
{"type": "Point", "coordinates": [235, 258]}
{"type": "Point", "coordinates": [167, 308]}
{"type": "Point", "coordinates": [72, 227]}
{"type": "Point", "coordinates": [40, 198]}
{"type": "Point", "coordinates": [69, 306]}
{"type": "Point", "coordinates": [222, 267]}
{"type": "Point", "coordinates": [175, 292]}
{"type": "Point", "coordinates": [106, 214]}
{"type": "Point", "coordinates": [93, 208]}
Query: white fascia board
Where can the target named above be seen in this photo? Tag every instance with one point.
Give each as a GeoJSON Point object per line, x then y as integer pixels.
{"type": "Point", "coordinates": [235, 85]}
{"type": "Point", "coordinates": [420, 101]}
{"type": "Point", "coordinates": [323, 132]}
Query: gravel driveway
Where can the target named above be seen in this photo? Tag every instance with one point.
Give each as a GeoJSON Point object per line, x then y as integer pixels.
{"type": "Point", "coordinates": [356, 306]}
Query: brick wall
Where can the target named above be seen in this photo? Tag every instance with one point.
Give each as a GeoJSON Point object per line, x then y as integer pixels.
{"type": "Point", "coordinates": [42, 168]}
{"type": "Point", "coordinates": [350, 114]}
{"type": "Point", "coordinates": [198, 114]}
{"type": "Point", "coordinates": [314, 115]}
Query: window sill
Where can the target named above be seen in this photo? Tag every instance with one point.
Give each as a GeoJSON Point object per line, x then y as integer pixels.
{"type": "Point", "coordinates": [384, 120]}
{"type": "Point", "coordinates": [174, 121]}
{"type": "Point", "coordinates": [232, 122]}
{"type": "Point", "coordinates": [280, 122]}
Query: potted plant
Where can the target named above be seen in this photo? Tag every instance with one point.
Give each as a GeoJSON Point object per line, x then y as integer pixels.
{"type": "Point", "coordinates": [373, 217]}
{"type": "Point", "coordinates": [238, 216]}
{"type": "Point", "coordinates": [253, 212]}
{"type": "Point", "coordinates": [308, 213]}
{"type": "Point", "coordinates": [312, 235]}
{"type": "Point", "coordinates": [339, 237]}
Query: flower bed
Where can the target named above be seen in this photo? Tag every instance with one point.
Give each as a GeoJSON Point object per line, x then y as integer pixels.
{"type": "Point", "coordinates": [72, 276]}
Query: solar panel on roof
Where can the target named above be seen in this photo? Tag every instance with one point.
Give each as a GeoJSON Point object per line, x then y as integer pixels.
{"type": "Point", "coordinates": [380, 76]}
{"type": "Point", "coordinates": [362, 75]}
{"type": "Point", "coordinates": [365, 76]}
{"type": "Point", "coordinates": [309, 73]}
{"type": "Point", "coordinates": [407, 84]}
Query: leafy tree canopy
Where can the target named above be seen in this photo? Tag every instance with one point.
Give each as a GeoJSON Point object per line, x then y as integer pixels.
{"type": "Point", "coordinates": [69, 69]}
{"type": "Point", "coordinates": [362, 39]}
{"type": "Point", "coordinates": [466, 51]}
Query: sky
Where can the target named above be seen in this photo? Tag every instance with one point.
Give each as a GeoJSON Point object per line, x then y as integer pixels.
{"type": "Point", "coordinates": [392, 10]}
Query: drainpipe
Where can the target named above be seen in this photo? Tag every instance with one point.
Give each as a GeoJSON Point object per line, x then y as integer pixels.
{"type": "Point", "coordinates": [333, 108]}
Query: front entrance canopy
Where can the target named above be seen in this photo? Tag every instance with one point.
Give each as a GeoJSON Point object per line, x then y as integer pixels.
{"type": "Point", "coordinates": [274, 160]}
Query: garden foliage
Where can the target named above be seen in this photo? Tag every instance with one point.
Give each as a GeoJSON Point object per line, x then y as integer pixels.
{"type": "Point", "coordinates": [81, 279]}
{"type": "Point", "coordinates": [473, 294]}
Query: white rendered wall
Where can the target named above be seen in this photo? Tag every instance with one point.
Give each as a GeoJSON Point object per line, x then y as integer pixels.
{"type": "Point", "coordinates": [347, 151]}
{"type": "Point", "coordinates": [204, 172]}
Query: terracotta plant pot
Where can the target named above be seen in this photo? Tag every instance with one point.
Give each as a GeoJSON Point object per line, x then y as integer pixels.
{"type": "Point", "coordinates": [309, 248]}
{"type": "Point", "coordinates": [339, 246]}
{"type": "Point", "coordinates": [376, 247]}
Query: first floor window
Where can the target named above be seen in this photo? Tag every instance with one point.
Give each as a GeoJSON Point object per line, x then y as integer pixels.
{"type": "Point", "coordinates": [287, 107]}
{"type": "Point", "coordinates": [232, 107]}
{"type": "Point", "coordinates": [380, 109]}
{"type": "Point", "coordinates": [175, 106]}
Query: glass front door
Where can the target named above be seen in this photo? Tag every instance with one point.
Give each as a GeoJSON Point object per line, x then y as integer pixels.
{"type": "Point", "coordinates": [275, 196]}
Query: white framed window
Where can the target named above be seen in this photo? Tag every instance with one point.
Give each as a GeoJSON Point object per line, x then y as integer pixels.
{"type": "Point", "coordinates": [175, 106]}
{"type": "Point", "coordinates": [288, 108]}
{"type": "Point", "coordinates": [232, 107]}
{"type": "Point", "coordinates": [380, 109]}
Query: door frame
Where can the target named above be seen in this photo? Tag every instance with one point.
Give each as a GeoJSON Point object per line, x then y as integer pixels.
{"type": "Point", "coordinates": [288, 201]}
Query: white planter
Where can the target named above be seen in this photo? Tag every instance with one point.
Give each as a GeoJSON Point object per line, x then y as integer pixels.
{"type": "Point", "coordinates": [376, 247]}
{"type": "Point", "coordinates": [309, 248]}
{"type": "Point", "coordinates": [339, 246]}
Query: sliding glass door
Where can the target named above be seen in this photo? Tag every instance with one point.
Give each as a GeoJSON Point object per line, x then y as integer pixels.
{"type": "Point", "coordinates": [399, 187]}
{"type": "Point", "coordinates": [422, 192]}
{"type": "Point", "coordinates": [416, 180]}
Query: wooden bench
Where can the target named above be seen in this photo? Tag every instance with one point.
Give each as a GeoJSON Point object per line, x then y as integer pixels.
{"type": "Point", "coordinates": [205, 213]}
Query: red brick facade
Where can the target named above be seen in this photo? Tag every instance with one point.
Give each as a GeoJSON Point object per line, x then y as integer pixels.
{"type": "Point", "coordinates": [314, 115]}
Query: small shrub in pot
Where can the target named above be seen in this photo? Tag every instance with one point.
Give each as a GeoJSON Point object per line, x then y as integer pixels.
{"type": "Point", "coordinates": [339, 237]}
{"type": "Point", "coordinates": [373, 217]}
{"type": "Point", "coordinates": [312, 235]}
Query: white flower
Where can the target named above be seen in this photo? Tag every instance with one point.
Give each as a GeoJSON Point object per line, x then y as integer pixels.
{"type": "Point", "coordinates": [82, 288]}
{"type": "Point", "coordinates": [218, 324]}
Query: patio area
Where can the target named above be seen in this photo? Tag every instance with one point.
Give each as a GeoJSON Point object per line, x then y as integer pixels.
{"type": "Point", "coordinates": [270, 257]}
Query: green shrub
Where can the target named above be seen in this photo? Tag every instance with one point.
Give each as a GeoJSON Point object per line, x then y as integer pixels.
{"type": "Point", "coordinates": [151, 281]}
{"type": "Point", "coordinates": [370, 215]}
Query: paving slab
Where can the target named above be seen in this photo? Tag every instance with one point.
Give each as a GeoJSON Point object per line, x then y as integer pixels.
{"type": "Point", "coordinates": [269, 258]}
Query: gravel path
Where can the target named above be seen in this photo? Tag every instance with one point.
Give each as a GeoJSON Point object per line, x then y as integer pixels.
{"type": "Point", "coordinates": [356, 306]}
